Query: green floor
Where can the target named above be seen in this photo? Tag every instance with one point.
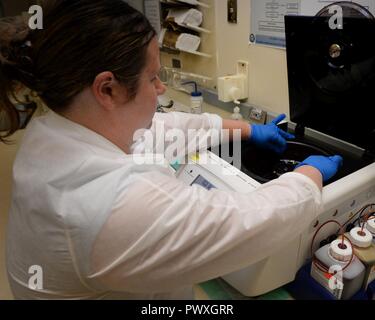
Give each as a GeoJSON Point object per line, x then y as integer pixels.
{"type": "Point", "coordinates": [218, 289]}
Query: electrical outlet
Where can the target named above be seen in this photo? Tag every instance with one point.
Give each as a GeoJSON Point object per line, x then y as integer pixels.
{"type": "Point", "coordinates": [257, 115]}
{"type": "Point", "coordinates": [232, 11]}
{"type": "Point", "coordinates": [176, 64]}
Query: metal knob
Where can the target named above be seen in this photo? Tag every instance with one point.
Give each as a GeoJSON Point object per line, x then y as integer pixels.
{"type": "Point", "coordinates": [335, 51]}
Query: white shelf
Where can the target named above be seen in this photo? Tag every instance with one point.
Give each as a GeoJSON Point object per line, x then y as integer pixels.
{"type": "Point", "coordinates": [190, 27]}
{"type": "Point", "coordinates": [177, 51]}
{"type": "Point", "coordinates": [206, 55]}
{"type": "Point", "coordinates": [185, 76]}
{"type": "Point", "coordinates": [199, 29]}
{"type": "Point", "coordinates": [195, 3]}
{"type": "Point", "coordinates": [191, 2]}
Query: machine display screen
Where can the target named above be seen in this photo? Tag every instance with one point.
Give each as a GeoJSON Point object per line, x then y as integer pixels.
{"type": "Point", "coordinates": [203, 182]}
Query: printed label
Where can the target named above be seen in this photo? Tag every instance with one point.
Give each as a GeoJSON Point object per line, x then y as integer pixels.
{"type": "Point", "coordinates": [333, 283]}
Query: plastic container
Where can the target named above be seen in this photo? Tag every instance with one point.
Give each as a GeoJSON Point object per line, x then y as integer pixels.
{"type": "Point", "coordinates": [364, 249]}
{"type": "Point", "coordinates": [236, 115]}
{"type": "Point", "coordinates": [196, 99]}
{"type": "Point", "coordinates": [196, 102]}
{"type": "Point", "coordinates": [304, 287]}
{"type": "Point", "coordinates": [334, 256]}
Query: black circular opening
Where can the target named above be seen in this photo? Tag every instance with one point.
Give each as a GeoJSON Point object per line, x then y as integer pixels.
{"type": "Point", "coordinates": [264, 165]}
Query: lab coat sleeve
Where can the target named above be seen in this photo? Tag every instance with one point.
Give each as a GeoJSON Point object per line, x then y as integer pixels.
{"type": "Point", "coordinates": [178, 133]}
{"type": "Point", "coordinates": [186, 121]}
{"type": "Point", "coordinates": [163, 234]}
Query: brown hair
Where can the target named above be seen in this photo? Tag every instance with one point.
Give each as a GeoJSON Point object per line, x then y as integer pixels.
{"type": "Point", "coordinates": [79, 40]}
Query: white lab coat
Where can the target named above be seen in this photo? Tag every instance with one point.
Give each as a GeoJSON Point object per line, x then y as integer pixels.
{"type": "Point", "coordinates": [102, 227]}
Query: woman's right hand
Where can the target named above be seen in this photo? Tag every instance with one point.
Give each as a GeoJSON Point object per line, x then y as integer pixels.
{"type": "Point", "coordinates": [327, 166]}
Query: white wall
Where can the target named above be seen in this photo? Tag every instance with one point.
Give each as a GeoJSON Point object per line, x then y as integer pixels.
{"type": "Point", "coordinates": [268, 83]}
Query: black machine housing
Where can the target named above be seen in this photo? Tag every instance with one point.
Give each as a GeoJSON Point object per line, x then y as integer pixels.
{"type": "Point", "coordinates": [331, 76]}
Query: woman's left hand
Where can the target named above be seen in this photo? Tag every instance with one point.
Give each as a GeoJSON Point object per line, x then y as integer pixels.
{"type": "Point", "coordinates": [270, 136]}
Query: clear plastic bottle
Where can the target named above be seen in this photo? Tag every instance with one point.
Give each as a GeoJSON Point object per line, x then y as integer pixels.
{"type": "Point", "coordinates": [196, 102]}
{"type": "Point", "coordinates": [236, 115]}
{"type": "Point", "coordinates": [196, 99]}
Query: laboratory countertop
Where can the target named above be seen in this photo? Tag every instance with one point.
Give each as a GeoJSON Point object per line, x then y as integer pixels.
{"type": "Point", "coordinates": [182, 103]}
{"type": "Point", "coordinates": [216, 289]}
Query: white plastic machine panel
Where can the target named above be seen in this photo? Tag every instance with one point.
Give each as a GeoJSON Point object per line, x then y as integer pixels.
{"type": "Point", "coordinates": [340, 198]}
{"type": "Point", "coordinates": [210, 171]}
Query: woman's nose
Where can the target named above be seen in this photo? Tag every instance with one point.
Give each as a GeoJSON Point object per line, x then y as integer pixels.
{"type": "Point", "coordinates": [161, 88]}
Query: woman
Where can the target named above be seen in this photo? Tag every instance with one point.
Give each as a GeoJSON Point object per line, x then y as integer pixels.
{"type": "Point", "coordinates": [98, 224]}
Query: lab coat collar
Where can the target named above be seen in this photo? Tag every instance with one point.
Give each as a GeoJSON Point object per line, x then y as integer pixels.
{"type": "Point", "coordinates": [81, 133]}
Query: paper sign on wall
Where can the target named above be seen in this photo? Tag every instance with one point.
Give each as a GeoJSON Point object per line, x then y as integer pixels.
{"type": "Point", "coordinates": [267, 17]}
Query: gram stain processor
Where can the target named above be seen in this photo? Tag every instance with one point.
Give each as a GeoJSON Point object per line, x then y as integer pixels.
{"type": "Point", "coordinates": [330, 114]}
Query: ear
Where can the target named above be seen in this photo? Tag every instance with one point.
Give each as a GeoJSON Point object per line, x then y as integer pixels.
{"type": "Point", "coordinates": [107, 90]}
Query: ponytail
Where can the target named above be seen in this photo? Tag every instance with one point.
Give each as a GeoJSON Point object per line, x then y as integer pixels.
{"type": "Point", "coordinates": [15, 70]}
{"type": "Point", "coordinates": [79, 40]}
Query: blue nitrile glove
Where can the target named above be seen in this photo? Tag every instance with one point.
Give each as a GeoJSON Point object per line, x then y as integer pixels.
{"type": "Point", "coordinates": [270, 136]}
{"type": "Point", "coordinates": [328, 166]}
